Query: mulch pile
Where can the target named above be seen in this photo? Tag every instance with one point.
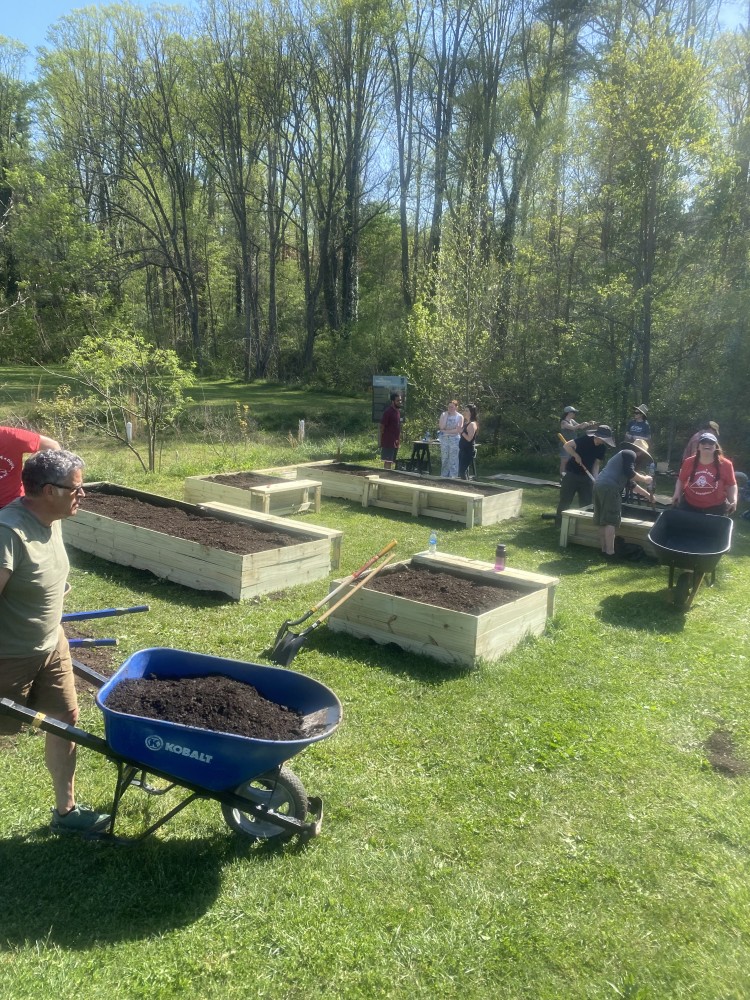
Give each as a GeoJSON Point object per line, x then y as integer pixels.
{"type": "Point", "coordinates": [444, 590]}
{"type": "Point", "coordinates": [214, 532]}
{"type": "Point", "coordinates": [218, 703]}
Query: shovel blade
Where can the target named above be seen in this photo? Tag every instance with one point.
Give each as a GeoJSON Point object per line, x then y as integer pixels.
{"type": "Point", "coordinates": [287, 647]}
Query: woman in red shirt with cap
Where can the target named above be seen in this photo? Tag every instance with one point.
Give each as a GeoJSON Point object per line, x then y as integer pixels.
{"type": "Point", "coordinates": [706, 483]}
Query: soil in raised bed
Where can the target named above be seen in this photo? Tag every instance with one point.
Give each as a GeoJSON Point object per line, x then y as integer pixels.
{"type": "Point", "coordinates": [230, 536]}
{"type": "Point", "coordinates": [246, 480]}
{"type": "Point", "coordinates": [444, 590]}
{"type": "Point", "coordinates": [215, 702]}
{"type": "Point", "coordinates": [455, 485]}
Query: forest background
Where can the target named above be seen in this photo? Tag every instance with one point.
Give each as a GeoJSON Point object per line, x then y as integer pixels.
{"type": "Point", "coordinates": [519, 202]}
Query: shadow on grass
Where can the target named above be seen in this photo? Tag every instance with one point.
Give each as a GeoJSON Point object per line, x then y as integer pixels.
{"type": "Point", "coordinates": [75, 893]}
{"type": "Point", "coordinates": [388, 657]}
{"type": "Point", "coordinates": [646, 610]}
{"type": "Point", "coordinates": [143, 582]}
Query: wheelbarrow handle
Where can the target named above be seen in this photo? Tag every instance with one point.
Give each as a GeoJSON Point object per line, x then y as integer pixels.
{"type": "Point", "coordinates": [92, 642]}
{"type": "Point", "coordinates": [77, 616]}
{"type": "Point", "coordinates": [565, 441]}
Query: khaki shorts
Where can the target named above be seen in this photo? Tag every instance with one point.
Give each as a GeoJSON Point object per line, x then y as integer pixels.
{"type": "Point", "coordinates": [43, 682]}
{"type": "Point", "coordinates": [607, 505]}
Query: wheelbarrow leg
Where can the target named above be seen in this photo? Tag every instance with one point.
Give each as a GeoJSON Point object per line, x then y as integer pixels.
{"type": "Point", "coordinates": [697, 580]}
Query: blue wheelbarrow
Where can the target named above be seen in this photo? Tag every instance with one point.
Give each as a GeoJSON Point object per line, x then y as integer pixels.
{"type": "Point", "coordinates": [260, 798]}
{"type": "Point", "coordinates": [691, 542]}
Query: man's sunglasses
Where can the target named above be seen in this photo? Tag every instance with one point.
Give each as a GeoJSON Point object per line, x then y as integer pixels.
{"type": "Point", "coordinates": [64, 486]}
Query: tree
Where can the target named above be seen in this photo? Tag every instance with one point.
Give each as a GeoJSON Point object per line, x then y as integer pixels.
{"type": "Point", "coordinates": [15, 97]}
{"type": "Point", "coordinates": [653, 132]}
{"type": "Point", "coordinates": [126, 381]}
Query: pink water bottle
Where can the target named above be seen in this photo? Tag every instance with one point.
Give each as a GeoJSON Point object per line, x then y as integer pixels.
{"type": "Point", "coordinates": [499, 558]}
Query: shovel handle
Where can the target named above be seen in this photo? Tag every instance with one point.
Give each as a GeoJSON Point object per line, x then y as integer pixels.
{"type": "Point", "coordinates": [360, 583]}
{"type": "Point", "coordinates": [564, 441]}
{"type": "Point", "coordinates": [345, 583]}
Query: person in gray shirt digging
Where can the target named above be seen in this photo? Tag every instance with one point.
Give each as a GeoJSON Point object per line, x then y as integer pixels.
{"type": "Point", "coordinates": [619, 472]}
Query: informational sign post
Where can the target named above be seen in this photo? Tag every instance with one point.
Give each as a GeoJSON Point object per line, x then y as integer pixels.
{"type": "Point", "coordinates": [382, 387]}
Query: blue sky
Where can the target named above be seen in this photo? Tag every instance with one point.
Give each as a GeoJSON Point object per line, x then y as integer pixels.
{"type": "Point", "coordinates": [27, 20]}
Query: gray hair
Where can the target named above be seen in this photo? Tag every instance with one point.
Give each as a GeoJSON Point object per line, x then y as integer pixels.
{"type": "Point", "coordinates": [50, 466]}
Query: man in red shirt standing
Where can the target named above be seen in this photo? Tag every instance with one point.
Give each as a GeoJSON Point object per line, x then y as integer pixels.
{"type": "Point", "coordinates": [389, 431]}
{"type": "Point", "coordinates": [15, 442]}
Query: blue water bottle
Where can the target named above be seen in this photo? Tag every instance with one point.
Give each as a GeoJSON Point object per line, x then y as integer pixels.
{"type": "Point", "coordinates": [432, 544]}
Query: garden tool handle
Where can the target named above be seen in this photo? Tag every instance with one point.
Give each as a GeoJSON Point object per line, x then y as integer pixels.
{"type": "Point", "coordinates": [77, 616]}
{"type": "Point", "coordinates": [564, 441]}
{"type": "Point", "coordinates": [360, 583]}
{"type": "Point", "coordinates": [353, 576]}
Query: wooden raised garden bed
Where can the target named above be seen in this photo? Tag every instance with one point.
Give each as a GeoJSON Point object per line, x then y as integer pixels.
{"type": "Point", "coordinates": [269, 554]}
{"type": "Point", "coordinates": [472, 503]}
{"type": "Point", "coordinates": [255, 491]}
{"type": "Point", "coordinates": [451, 635]}
{"type": "Point", "coordinates": [578, 527]}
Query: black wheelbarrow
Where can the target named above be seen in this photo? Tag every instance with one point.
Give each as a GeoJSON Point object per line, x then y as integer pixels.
{"type": "Point", "coordinates": [693, 543]}
{"type": "Point", "coordinates": [260, 798]}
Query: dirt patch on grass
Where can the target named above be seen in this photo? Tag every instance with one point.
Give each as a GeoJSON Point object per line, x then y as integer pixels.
{"type": "Point", "coordinates": [218, 703]}
{"type": "Point", "coordinates": [103, 659]}
{"type": "Point", "coordinates": [444, 590]}
{"type": "Point", "coordinates": [722, 755]}
{"type": "Point", "coordinates": [213, 532]}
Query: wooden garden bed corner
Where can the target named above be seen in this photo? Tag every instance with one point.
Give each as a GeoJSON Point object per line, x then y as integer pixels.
{"type": "Point", "coordinates": [448, 635]}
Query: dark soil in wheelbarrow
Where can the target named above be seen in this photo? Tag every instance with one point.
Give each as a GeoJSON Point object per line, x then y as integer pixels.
{"type": "Point", "coordinates": [213, 532]}
{"type": "Point", "coordinates": [218, 703]}
{"type": "Point", "coordinates": [246, 480]}
{"type": "Point", "coordinates": [444, 590]}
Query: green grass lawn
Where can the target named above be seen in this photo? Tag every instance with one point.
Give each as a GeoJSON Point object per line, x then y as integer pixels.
{"type": "Point", "coordinates": [548, 826]}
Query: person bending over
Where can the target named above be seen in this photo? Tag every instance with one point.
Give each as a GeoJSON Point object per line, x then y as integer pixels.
{"type": "Point", "coordinates": [619, 472]}
{"type": "Point", "coordinates": [585, 454]}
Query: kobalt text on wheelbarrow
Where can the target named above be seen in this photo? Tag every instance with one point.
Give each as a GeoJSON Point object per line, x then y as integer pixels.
{"type": "Point", "coordinates": [692, 542]}
{"type": "Point", "coordinates": [259, 797]}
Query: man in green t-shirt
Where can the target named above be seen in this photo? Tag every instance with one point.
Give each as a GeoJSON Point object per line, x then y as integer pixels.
{"type": "Point", "coordinates": [35, 664]}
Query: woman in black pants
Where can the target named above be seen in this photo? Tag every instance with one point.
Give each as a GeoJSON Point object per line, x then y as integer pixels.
{"type": "Point", "coordinates": [467, 450]}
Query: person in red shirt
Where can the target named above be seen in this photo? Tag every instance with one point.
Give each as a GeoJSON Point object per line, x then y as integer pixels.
{"type": "Point", "coordinates": [389, 431]}
{"type": "Point", "coordinates": [706, 482]}
{"type": "Point", "coordinates": [15, 442]}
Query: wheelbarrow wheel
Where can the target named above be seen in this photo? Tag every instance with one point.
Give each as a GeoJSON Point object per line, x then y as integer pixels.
{"type": "Point", "coordinates": [682, 589]}
{"type": "Point", "coordinates": [281, 791]}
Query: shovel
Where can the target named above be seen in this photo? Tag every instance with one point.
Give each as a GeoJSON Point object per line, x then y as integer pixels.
{"type": "Point", "coordinates": [286, 646]}
{"type": "Point", "coordinates": [580, 463]}
{"type": "Point", "coordinates": [344, 583]}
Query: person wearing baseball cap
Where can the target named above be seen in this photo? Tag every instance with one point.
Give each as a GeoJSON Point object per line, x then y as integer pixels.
{"type": "Point", "coordinates": [585, 454]}
{"type": "Point", "coordinates": [691, 447]}
{"type": "Point", "coordinates": [706, 482]}
{"type": "Point", "coordinates": [638, 426]}
{"type": "Point", "coordinates": [618, 473]}
{"type": "Point", "coordinates": [569, 427]}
